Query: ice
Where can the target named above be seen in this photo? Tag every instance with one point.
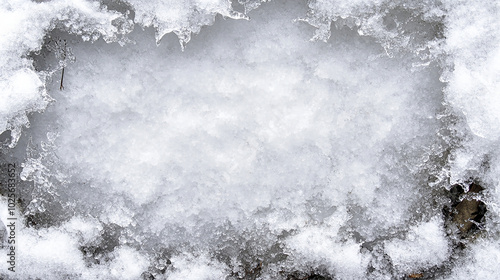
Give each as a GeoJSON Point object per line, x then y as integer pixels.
{"type": "Point", "coordinates": [481, 262]}
{"type": "Point", "coordinates": [251, 152]}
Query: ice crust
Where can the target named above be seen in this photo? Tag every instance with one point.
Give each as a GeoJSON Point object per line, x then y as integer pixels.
{"type": "Point", "coordinates": [253, 152]}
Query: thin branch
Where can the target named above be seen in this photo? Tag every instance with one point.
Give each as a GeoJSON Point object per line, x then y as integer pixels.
{"type": "Point", "coordinates": [62, 78]}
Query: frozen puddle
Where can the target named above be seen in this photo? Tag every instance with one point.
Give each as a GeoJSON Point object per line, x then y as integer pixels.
{"type": "Point", "coordinates": [255, 153]}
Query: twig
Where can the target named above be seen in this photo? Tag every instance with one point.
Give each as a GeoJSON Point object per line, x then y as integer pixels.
{"type": "Point", "coordinates": [61, 87]}
{"type": "Point", "coordinates": [62, 78]}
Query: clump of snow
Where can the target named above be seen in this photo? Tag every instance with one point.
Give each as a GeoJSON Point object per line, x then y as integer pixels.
{"type": "Point", "coordinates": [47, 253]}
{"type": "Point", "coordinates": [481, 261]}
{"type": "Point", "coordinates": [190, 267]}
{"type": "Point", "coordinates": [20, 92]}
{"type": "Point", "coordinates": [58, 250]}
{"type": "Point", "coordinates": [322, 246]}
{"type": "Point", "coordinates": [424, 246]}
{"type": "Point", "coordinates": [55, 253]}
{"type": "Point", "coordinates": [474, 74]}
{"type": "Point", "coordinates": [129, 264]}
{"type": "Point", "coordinates": [267, 122]}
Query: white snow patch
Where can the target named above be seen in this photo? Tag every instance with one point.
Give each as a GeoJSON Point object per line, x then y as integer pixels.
{"type": "Point", "coordinates": [425, 246]}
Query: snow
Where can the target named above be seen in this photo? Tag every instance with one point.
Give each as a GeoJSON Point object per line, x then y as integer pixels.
{"type": "Point", "coordinates": [481, 262]}
{"type": "Point", "coordinates": [22, 88]}
{"type": "Point", "coordinates": [319, 246]}
{"type": "Point", "coordinates": [181, 17]}
{"type": "Point", "coordinates": [191, 267]}
{"type": "Point", "coordinates": [121, 267]}
{"type": "Point", "coordinates": [23, 27]}
{"type": "Point", "coordinates": [262, 141]}
{"type": "Point", "coordinates": [250, 151]}
{"type": "Point", "coordinates": [474, 83]}
{"type": "Point", "coordinates": [424, 246]}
